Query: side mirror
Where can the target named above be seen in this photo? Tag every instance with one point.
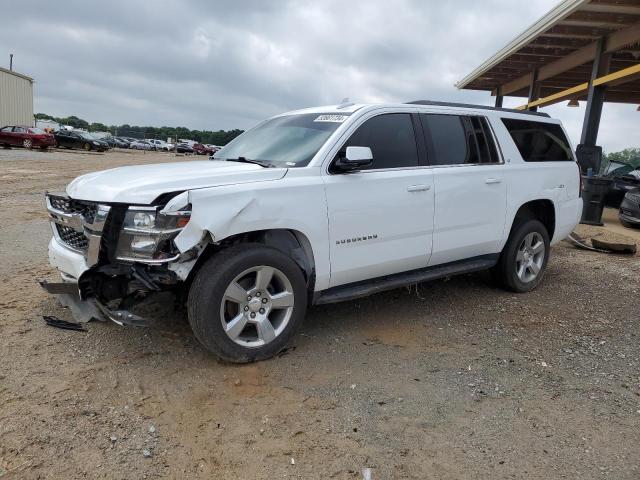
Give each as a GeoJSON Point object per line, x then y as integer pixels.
{"type": "Point", "coordinates": [354, 159]}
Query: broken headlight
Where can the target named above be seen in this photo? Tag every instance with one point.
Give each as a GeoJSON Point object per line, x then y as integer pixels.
{"type": "Point", "coordinates": [147, 234]}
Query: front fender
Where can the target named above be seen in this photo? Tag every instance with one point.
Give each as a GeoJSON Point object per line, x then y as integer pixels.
{"type": "Point", "coordinates": [296, 204]}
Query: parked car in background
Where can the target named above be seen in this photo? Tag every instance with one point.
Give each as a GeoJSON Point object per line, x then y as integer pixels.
{"type": "Point", "coordinates": [77, 139]}
{"type": "Point", "coordinates": [630, 209]}
{"type": "Point", "coordinates": [27, 137]}
{"type": "Point", "coordinates": [141, 145]}
{"type": "Point", "coordinates": [625, 178]}
{"type": "Point", "coordinates": [184, 148]}
{"type": "Point", "coordinates": [200, 149]}
{"type": "Point", "coordinates": [115, 142]}
{"type": "Point", "coordinates": [161, 145]}
{"type": "Point", "coordinates": [119, 142]}
{"type": "Point", "coordinates": [124, 142]}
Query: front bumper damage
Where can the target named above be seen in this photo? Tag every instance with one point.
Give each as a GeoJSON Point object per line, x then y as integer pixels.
{"type": "Point", "coordinates": [85, 310]}
{"type": "Point", "coordinates": [97, 282]}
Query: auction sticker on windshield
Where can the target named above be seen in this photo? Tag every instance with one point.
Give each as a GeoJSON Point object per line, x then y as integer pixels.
{"type": "Point", "coordinates": [331, 118]}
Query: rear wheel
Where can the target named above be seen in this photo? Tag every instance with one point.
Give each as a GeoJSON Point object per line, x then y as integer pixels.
{"type": "Point", "coordinates": [524, 258]}
{"type": "Point", "coordinates": [246, 302]}
{"type": "Point", "coordinates": [27, 143]}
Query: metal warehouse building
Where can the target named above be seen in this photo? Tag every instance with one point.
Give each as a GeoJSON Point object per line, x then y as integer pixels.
{"type": "Point", "coordinates": [16, 98]}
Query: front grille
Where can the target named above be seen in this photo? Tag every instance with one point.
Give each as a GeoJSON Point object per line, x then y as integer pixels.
{"type": "Point", "coordinates": [72, 238]}
{"type": "Point", "coordinates": [68, 205]}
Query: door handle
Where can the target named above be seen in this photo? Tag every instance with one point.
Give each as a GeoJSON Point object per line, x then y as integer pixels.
{"type": "Point", "coordinates": [418, 188]}
{"type": "Point", "coordinates": [489, 181]}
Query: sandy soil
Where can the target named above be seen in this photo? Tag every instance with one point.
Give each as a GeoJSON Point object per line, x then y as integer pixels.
{"type": "Point", "coordinates": [452, 379]}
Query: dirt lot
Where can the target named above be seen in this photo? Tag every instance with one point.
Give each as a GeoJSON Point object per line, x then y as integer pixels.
{"type": "Point", "coordinates": [452, 379]}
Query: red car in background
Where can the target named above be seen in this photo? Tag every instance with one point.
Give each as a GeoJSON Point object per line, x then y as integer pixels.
{"type": "Point", "coordinates": [200, 149]}
{"type": "Point", "coordinates": [27, 137]}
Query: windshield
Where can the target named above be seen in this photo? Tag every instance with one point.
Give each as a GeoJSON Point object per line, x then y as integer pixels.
{"type": "Point", "coordinates": [37, 131]}
{"type": "Point", "coordinates": [288, 141]}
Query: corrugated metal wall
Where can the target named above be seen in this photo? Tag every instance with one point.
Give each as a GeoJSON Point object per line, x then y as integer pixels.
{"type": "Point", "coordinates": [16, 100]}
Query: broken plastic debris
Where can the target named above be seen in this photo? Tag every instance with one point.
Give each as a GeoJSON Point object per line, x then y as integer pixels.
{"type": "Point", "coordinates": [58, 323]}
{"type": "Point", "coordinates": [293, 462]}
{"type": "Point", "coordinates": [366, 474]}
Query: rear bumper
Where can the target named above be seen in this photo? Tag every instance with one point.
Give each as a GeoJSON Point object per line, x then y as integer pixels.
{"type": "Point", "coordinates": [568, 214]}
{"type": "Point", "coordinates": [43, 142]}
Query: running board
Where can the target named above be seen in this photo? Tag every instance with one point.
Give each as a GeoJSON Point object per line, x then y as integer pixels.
{"type": "Point", "coordinates": [352, 291]}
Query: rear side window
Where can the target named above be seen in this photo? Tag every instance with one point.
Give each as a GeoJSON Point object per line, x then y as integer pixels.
{"type": "Point", "coordinates": [458, 139]}
{"type": "Point", "coordinates": [391, 138]}
{"type": "Point", "coordinates": [539, 142]}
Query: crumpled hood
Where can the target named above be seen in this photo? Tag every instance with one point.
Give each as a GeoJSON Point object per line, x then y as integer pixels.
{"type": "Point", "coordinates": [141, 184]}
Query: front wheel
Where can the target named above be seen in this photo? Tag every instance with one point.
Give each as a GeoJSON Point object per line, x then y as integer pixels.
{"type": "Point", "coordinates": [246, 302]}
{"type": "Point", "coordinates": [524, 258]}
{"type": "Point", "coordinates": [27, 143]}
{"type": "Point", "coordinates": [87, 146]}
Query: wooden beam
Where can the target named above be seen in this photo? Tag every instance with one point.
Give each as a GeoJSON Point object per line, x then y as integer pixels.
{"type": "Point", "coordinates": [586, 54]}
{"type": "Point", "coordinates": [616, 78]}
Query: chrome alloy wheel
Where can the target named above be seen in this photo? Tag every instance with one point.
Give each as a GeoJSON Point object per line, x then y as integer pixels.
{"type": "Point", "coordinates": [530, 257]}
{"type": "Point", "coordinates": [257, 306]}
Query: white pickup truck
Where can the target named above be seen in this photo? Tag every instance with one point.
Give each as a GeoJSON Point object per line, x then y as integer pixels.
{"type": "Point", "coordinates": [316, 206]}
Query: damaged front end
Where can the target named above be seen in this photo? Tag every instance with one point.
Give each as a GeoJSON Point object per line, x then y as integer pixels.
{"type": "Point", "coordinates": [113, 256]}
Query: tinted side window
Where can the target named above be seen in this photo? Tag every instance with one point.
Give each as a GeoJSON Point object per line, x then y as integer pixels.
{"type": "Point", "coordinates": [458, 140]}
{"type": "Point", "coordinates": [539, 142]}
{"type": "Point", "coordinates": [391, 139]}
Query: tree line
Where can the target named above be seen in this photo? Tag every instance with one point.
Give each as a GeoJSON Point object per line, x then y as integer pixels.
{"type": "Point", "coordinates": [221, 137]}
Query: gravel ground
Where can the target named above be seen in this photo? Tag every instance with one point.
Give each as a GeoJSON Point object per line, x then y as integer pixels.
{"type": "Point", "coordinates": [450, 379]}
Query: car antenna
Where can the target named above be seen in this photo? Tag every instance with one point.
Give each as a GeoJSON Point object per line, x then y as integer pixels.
{"type": "Point", "coordinates": [345, 103]}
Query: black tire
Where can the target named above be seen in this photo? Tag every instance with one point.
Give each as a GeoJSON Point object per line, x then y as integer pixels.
{"type": "Point", "coordinates": [505, 272]}
{"type": "Point", "coordinates": [209, 286]}
{"type": "Point", "coordinates": [87, 146]}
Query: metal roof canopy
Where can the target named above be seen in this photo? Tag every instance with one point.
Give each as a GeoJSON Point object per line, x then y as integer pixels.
{"type": "Point", "coordinates": [578, 42]}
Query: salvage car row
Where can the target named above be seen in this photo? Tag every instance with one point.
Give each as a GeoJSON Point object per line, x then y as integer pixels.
{"type": "Point", "coordinates": [34, 137]}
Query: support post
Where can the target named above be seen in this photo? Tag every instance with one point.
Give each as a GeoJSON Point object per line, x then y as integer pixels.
{"type": "Point", "coordinates": [534, 89]}
{"type": "Point", "coordinates": [499, 97]}
{"type": "Point", "coordinates": [595, 97]}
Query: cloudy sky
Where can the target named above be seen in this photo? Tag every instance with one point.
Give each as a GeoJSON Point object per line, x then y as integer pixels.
{"type": "Point", "coordinates": [228, 64]}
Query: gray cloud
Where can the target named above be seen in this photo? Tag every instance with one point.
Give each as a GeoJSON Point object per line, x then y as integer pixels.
{"type": "Point", "coordinates": [227, 64]}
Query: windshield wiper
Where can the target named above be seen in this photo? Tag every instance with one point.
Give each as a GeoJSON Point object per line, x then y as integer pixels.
{"type": "Point", "coordinates": [262, 163]}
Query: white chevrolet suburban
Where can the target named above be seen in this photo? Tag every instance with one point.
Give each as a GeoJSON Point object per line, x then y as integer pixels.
{"type": "Point", "coordinates": [316, 206]}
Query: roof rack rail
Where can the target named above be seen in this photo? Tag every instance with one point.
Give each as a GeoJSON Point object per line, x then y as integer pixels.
{"type": "Point", "coordinates": [469, 105]}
